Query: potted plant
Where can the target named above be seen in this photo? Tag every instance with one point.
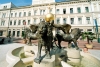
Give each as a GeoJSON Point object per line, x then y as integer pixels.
{"type": "Point", "coordinates": [90, 37]}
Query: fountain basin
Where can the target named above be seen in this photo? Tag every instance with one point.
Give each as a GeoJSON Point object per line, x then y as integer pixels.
{"type": "Point", "coordinates": [16, 58]}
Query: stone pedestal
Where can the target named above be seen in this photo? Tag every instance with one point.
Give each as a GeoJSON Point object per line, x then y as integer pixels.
{"type": "Point", "coordinates": [46, 62]}
{"type": "Point", "coordinates": [74, 56]}
{"type": "Point", "coordinates": [27, 51]}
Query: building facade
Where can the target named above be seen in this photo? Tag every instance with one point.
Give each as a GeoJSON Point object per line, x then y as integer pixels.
{"type": "Point", "coordinates": [79, 14]}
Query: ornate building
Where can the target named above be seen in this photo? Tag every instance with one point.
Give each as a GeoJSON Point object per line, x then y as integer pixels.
{"type": "Point", "coordinates": [80, 14]}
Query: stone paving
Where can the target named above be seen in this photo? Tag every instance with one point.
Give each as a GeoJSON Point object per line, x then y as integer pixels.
{"type": "Point", "coordinates": [4, 48]}
{"type": "Point", "coordinates": [95, 53]}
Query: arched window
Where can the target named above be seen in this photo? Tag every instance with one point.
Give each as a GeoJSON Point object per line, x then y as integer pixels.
{"type": "Point", "coordinates": [29, 13]}
{"type": "Point", "coordinates": [64, 20]}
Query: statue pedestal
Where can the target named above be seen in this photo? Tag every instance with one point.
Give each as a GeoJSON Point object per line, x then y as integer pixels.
{"type": "Point", "coordinates": [74, 56]}
{"type": "Point", "coordinates": [46, 62]}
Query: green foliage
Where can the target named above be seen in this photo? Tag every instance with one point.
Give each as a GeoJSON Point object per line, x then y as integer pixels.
{"type": "Point", "coordinates": [23, 34]}
{"type": "Point", "coordinates": [88, 35]}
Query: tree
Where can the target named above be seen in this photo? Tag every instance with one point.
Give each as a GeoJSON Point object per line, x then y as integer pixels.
{"type": "Point", "coordinates": [89, 36]}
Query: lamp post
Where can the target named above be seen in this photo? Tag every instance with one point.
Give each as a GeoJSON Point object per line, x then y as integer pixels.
{"type": "Point", "coordinates": [8, 35]}
{"type": "Point", "coordinates": [24, 23]}
{"type": "Point", "coordinates": [94, 22]}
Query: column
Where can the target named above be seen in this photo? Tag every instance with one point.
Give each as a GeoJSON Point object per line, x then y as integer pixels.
{"type": "Point", "coordinates": [99, 19]}
{"type": "Point", "coordinates": [92, 7]}
{"type": "Point", "coordinates": [67, 9]}
{"type": "Point", "coordinates": [82, 9]}
{"type": "Point", "coordinates": [38, 11]}
{"type": "Point", "coordinates": [37, 20]}
{"type": "Point", "coordinates": [76, 20]}
{"type": "Point", "coordinates": [31, 20]}
{"type": "Point", "coordinates": [61, 10]}
{"type": "Point", "coordinates": [61, 20]}
{"type": "Point", "coordinates": [97, 5]}
{"type": "Point", "coordinates": [75, 9]}
{"type": "Point", "coordinates": [91, 20]}
{"type": "Point", "coordinates": [83, 20]}
{"type": "Point", "coordinates": [68, 20]}
{"type": "Point", "coordinates": [32, 13]}
{"type": "Point", "coordinates": [15, 32]}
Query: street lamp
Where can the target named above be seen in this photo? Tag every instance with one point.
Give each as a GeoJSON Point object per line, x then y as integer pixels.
{"type": "Point", "coordinates": [94, 22]}
{"type": "Point", "coordinates": [8, 35]}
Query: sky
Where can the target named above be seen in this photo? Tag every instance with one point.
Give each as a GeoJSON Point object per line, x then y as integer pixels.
{"type": "Point", "coordinates": [17, 2]}
{"type": "Point", "coordinates": [21, 2]}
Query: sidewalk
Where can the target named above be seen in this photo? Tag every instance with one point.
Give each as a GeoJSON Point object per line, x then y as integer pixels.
{"type": "Point", "coordinates": [81, 43]}
{"type": "Point", "coordinates": [95, 53]}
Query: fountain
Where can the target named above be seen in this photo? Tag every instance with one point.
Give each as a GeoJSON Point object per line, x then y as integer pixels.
{"type": "Point", "coordinates": [22, 57]}
{"type": "Point", "coordinates": [50, 56]}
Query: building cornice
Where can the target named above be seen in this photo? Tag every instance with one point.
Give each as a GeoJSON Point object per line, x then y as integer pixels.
{"type": "Point", "coordinates": [46, 4]}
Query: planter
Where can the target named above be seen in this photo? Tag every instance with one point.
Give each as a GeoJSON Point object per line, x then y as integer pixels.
{"type": "Point", "coordinates": [89, 46]}
{"type": "Point", "coordinates": [24, 41]}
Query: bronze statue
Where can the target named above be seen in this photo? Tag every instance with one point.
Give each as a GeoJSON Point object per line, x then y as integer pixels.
{"type": "Point", "coordinates": [72, 37]}
{"type": "Point", "coordinates": [43, 32]}
{"type": "Point", "coordinates": [30, 34]}
{"type": "Point", "coordinates": [43, 40]}
{"type": "Point", "coordinates": [65, 28]}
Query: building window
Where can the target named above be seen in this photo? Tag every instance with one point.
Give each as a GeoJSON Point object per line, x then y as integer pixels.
{"type": "Point", "coordinates": [40, 12]}
{"type": "Point", "coordinates": [24, 13]}
{"type": "Point", "coordinates": [15, 14]}
{"type": "Point", "coordinates": [64, 11]}
{"type": "Point", "coordinates": [81, 30]}
{"type": "Point", "coordinates": [86, 9]}
{"type": "Point", "coordinates": [13, 33]}
{"type": "Point", "coordinates": [28, 22]}
{"type": "Point", "coordinates": [35, 20]}
{"type": "Point", "coordinates": [3, 15]}
{"type": "Point", "coordinates": [29, 13]}
{"type": "Point", "coordinates": [71, 10]}
{"type": "Point", "coordinates": [24, 22]}
{"type": "Point", "coordinates": [80, 20]}
{"type": "Point", "coordinates": [19, 22]}
{"type": "Point", "coordinates": [11, 22]}
{"type": "Point", "coordinates": [2, 23]}
{"type": "Point", "coordinates": [1, 33]}
{"type": "Point", "coordinates": [11, 14]}
{"type": "Point", "coordinates": [5, 7]}
{"type": "Point", "coordinates": [15, 22]}
{"type": "Point", "coordinates": [89, 30]}
{"type": "Point", "coordinates": [43, 12]}
{"type": "Point", "coordinates": [9, 33]}
{"type": "Point", "coordinates": [88, 20]}
{"type": "Point", "coordinates": [40, 20]}
{"type": "Point", "coordinates": [72, 20]}
{"type": "Point", "coordinates": [79, 10]}
{"type": "Point", "coordinates": [64, 20]}
{"type": "Point", "coordinates": [57, 11]}
{"type": "Point", "coordinates": [58, 20]}
{"type": "Point", "coordinates": [35, 12]}
{"type": "Point", "coordinates": [50, 10]}
{"type": "Point", "coordinates": [18, 33]}
{"type": "Point", "coordinates": [19, 14]}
